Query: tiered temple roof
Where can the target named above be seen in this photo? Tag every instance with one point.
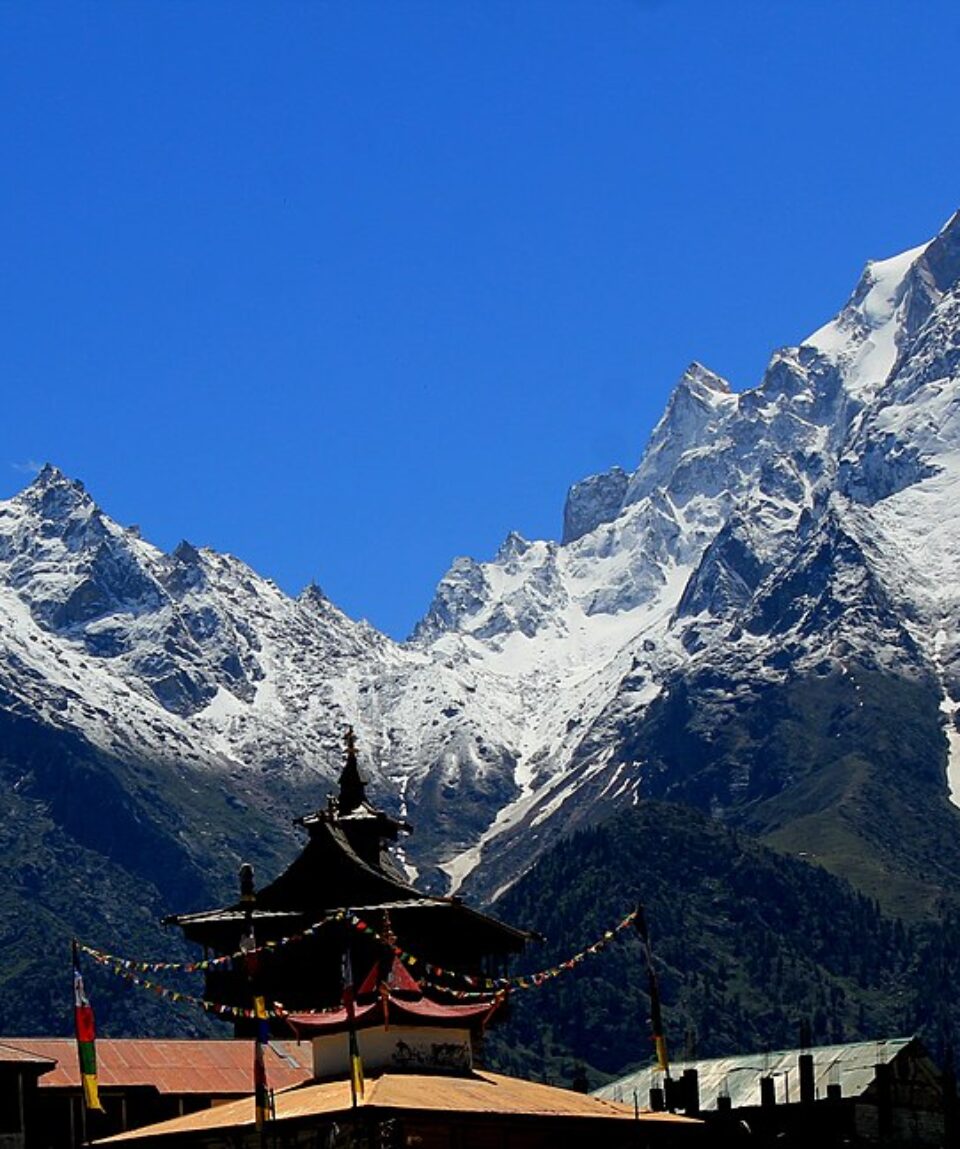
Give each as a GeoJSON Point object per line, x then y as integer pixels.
{"type": "Point", "coordinates": [346, 864]}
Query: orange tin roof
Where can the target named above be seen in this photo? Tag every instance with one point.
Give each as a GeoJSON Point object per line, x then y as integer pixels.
{"type": "Point", "coordinates": [10, 1054]}
{"type": "Point", "coordinates": [478, 1092]}
{"type": "Point", "coordinates": [180, 1067]}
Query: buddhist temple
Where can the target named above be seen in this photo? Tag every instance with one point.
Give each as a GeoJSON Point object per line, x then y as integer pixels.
{"type": "Point", "coordinates": [346, 865]}
{"type": "Point", "coordinates": [388, 991]}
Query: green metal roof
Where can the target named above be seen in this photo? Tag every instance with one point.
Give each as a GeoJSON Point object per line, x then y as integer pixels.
{"type": "Point", "coordinates": [851, 1066]}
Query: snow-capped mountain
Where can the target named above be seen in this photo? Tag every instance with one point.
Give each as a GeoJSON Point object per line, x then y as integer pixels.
{"type": "Point", "coordinates": [188, 657]}
{"type": "Point", "coordinates": [778, 556]}
{"type": "Point", "coordinates": [800, 531]}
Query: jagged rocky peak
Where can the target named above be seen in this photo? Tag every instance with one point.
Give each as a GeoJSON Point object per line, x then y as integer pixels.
{"type": "Point", "coordinates": [595, 500]}
{"type": "Point", "coordinates": [323, 614]}
{"type": "Point", "coordinates": [513, 547]}
{"type": "Point", "coordinates": [875, 330]}
{"type": "Point", "coordinates": [55, 497]}
{"type": "Point", "coordinates": [313, 596]}
{"type": "Point", "coordinates": [703, 384]}
{"type": "Point", "coordinates": [716, 556]}
{"type": "Point", "coordinates": [699, 395]}
{"type": "Point", "coordinates": [182, 569]}
{"type": "Point", "coordinates": [699, 399]}
{"type": "Point", "coordinates": [461, 593]}
{"type": "Point", "coordinates": [50, 478]}
{"type": "Point", "coordinates": [66, 560]}
{"type": "Point", "coordinates": [700, 404]}
{"type": "Point", "coordinates": [941, 259]}
{"type": "Point", "coordinates": [186, 553]}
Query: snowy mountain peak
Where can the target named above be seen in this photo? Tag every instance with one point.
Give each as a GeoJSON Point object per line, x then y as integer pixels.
{"type": "Point", "coordinates": [704, 384]}
{"type": "Point", "coordinates": [50, 475]}
{"type": "Point", "coordinates": [696, 412]}
{"type": "Point", "coordinates": [54, 496]}
{"type": "Point", "coordinates": [513, 547]}
{"type": "Point", "coordinates": [892, 300]}
{"type": "Point", "coordinates": [699, 402]}
{"type": "Point", "coordinates": [460, 594]}
{"type": "Point", "coordinates": [744, 541]}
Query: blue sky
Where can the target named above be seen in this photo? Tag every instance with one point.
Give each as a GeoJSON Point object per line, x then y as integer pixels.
{"type": "Point", "coordinates": [348, 289]}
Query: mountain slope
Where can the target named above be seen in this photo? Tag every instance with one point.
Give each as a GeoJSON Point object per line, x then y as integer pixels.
{"type": "Point", "coordinates": [798, 532]}
{"type": "Point", "coordinates": [750, 947]}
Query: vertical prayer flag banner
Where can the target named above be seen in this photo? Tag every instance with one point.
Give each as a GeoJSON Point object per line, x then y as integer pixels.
{"type": "Point", "coordinates": [656, 1015]}
{"type": "Point", "coordinates": [660, 1045]}
{"type": "Point", "coordinates": [261, 1095]}
{"type": "Point", "coordinates": [86, 1037]}
{"type": "Point", "coordinates": [356, 1064]}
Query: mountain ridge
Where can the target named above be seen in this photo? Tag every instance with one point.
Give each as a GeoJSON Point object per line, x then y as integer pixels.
{"type": "Point", "coordinates": [768, 541]}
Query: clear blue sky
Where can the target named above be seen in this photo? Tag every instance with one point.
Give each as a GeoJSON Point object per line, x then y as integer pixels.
{"type": "Point", "coordinates": [348, 289]}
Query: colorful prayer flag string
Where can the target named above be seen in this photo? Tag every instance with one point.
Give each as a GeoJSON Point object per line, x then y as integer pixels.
{"type": "Point", "coordinates": [482, 984]}
{"type": "Point", "coordinates": [209, 963]}
{"type": "Point", "coordinates": [478, 986]}
{"type": "Point", "coordinates": [185, 998]}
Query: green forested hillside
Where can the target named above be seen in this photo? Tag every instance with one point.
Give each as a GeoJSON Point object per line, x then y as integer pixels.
{"type": "Point", "coordinates": [750, 944]}
{"type": "Point", "coordinates": [849, 766]}
{"type": "Point", "coordinates": [101, 848]}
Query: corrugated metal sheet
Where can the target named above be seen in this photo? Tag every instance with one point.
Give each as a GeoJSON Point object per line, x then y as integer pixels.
{"type": "Point", "coordinates": [488, 1093]}
{"type": "Point", "coordinates": [479, 1092]}
{"type": "Point", "coordinates": [851, 1066]}
{"type": "Point", "coordinates": [216, 1068]}
{"type": "Point", "coordinates": [11, 1055]}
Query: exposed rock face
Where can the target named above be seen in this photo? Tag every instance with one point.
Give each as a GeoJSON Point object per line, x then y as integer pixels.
{"type": "Point", "coordinates": [593, 501]}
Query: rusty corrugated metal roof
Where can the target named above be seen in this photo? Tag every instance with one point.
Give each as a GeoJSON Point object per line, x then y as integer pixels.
{"type": "Point", "coordinates": [479, 1092]}
{"type": "Point", "coordinates": [11, 1054]}
{"type": "Point", "coordinates": [180, 1067]}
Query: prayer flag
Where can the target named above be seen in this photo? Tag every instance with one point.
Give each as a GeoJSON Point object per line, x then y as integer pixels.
{"type": "Point", "coordinates": [86, 1037]}
{"type": "Point", "coordinates": [656, 1017]}
{"type": "Point", "coordinates": [261, 1095]}
{"type": "Point", "coordinates": [356, 1064]}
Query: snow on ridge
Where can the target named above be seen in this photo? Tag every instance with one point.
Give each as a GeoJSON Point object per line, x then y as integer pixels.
{"type": "Point", "coordinates": [196, 666]}
{"type": "Point", "coordinates": [863, 338]}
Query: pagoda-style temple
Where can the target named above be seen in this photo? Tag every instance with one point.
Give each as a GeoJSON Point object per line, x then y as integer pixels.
{"type": "Point", "coordinates": [345, 865]}
{"type": "Point", "coordinates": [394, 1052]}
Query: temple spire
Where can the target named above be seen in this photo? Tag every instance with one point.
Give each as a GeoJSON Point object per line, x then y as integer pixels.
{"type": "Point", "coordinates": [352, 785]}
